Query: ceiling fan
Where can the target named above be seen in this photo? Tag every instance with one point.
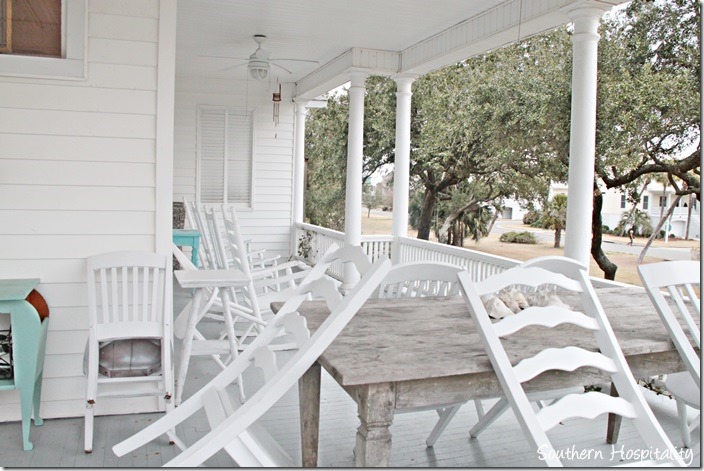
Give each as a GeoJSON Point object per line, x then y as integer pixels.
{"type": "Point", "coordinates": [259, 62]}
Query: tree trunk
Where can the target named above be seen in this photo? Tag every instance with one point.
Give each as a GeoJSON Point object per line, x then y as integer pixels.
{"type": "Point", "coordinates": [369, 212]}
{"type": "Point", "coordinates": [443, 233]}
{"type": "Point", "coordinates": [607, 266]}
{"type": "Point", "coordinates": [558, 236]}
{"type": "Point", "coordinates": [689, 217]}
{"type": "Point", "coordinates": [493, 220]}
{"type": "Point", "coordinates": [426, 214]}
{"type": "Point", "coordinates": [656, 231]}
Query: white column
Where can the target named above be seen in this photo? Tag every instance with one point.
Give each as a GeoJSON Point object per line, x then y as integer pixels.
{"type": "Point", "coordinates": [299, 161]}
{"type": "Point", "coordinates": [583, 131]}
{"type": "Point", "coordinates": [353, 196]}
{"type": "Point", "coordinates": [402, 159]}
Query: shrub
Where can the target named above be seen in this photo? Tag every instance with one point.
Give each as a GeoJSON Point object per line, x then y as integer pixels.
{"type": "Point", "coordinates": [530, 217]}
{"type": "Point", "coordinates": [514, 237]}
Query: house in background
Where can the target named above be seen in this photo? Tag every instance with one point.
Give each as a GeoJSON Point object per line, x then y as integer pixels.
{"type": "Point", "coordinates": [150, 101]}
{"type": "Point", "coordinates": [514, 210]}
{"type": "Point", "coordinates": [655, 201]}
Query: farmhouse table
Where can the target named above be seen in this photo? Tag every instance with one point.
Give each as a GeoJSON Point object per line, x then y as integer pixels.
{"type": "Point", "coordinates": [421, 353]}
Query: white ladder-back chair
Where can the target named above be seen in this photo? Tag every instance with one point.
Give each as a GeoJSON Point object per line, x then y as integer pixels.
{"type": "Point", "coordinates": [417, 279]}
{"type": "Point", "coordinates": [127, 300]}
{"type": "Point", "coordinates": [679, 278]}
{"type": "Point", "coordinates": [569, 275]}
{"type": "Point", "coordinates": [235, 429]}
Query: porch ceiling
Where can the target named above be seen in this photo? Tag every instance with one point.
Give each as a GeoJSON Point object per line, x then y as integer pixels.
{"type": "Point", "coordinates": [384, 37]}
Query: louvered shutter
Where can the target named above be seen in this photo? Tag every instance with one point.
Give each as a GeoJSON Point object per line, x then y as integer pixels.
{"type": "Point", "coordinates": [225, 156]}
{"type": "Point", "coordinates": [239, 158]}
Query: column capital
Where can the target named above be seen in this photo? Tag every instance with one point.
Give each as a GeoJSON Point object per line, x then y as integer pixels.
{"type": "Point", "coordinates": [586, 16]}
{"type": "Point", "coordinates": [357, 77]}
{"type": "Point", "coordinates": [404, 77]}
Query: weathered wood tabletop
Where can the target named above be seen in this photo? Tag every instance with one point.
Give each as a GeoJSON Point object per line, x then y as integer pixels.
{"type": "Point", "coordinates": [422, 352]}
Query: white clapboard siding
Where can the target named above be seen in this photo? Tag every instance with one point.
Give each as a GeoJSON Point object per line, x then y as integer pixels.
{"type": "Point", "coordinates": [268, 223]}
{"type": "Point", "coordinates": [64, 148]}
{"type": "Point", "coordinates": [78, 177]}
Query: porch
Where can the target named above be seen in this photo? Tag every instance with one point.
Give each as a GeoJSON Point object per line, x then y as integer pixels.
{"type": "Point", "coordinates": [58, 443]}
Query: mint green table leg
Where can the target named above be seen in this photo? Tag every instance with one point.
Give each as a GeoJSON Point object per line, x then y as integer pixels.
{"type": "Point", "coordinates": [26, 335]}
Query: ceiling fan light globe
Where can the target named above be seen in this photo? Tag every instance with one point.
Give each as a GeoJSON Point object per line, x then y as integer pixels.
{"type": "Point", "coordinates": [258, 70]}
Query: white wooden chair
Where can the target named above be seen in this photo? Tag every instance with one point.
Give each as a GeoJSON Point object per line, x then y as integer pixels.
{"type": "Point", "coordinates": [679, 279]}
{"type": "Point", "coordinates": [235, 429]}
{"type": "Point", "coordinates": [126, 301]}
{"type": "Point", "coordinates": [417, 279]}
{"type": "Point", "coordinates": [606, 356]}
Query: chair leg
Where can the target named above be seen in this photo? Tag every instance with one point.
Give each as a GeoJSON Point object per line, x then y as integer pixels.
{"type": "Point", "coordinates": [480, 408]}
{"type": "Point", "coordinates": [88, 426]}
{"type": "Point", "coordinates": [488, 418]}
{"type": "Point", "coordinates": [684, 425]}
{"type": "Point", "coordinates": [446, 416]}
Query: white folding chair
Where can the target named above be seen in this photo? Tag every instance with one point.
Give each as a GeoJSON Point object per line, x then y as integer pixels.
{"type": "Point", "coordinates": [235, 429]}
{"type": "Point", "coordinates": [607, 356]}
{"type": "Point", "coordinates": [126, 301]}
{"type": "Point", "coordinates": [679, 278]}
{"type": "Point", "coordinates": [417, 279]}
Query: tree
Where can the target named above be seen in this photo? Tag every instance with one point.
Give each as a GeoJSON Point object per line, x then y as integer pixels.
{"type": "Point", "coordinates": [648, 102]}
{"type": "Point", "coordinates": [475, 122]}
{"type": "Point", "coordinates": [638, 220]}
{"type": "Point", "coordinates": [326, 149]}
{"type": "Point", "coordinates": [371, 197]}
{"type": "Point", "coordinates": [554, 216]}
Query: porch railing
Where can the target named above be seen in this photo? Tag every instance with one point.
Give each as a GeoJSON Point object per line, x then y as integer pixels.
{"type": "Point", "coordinates": [310, 242]}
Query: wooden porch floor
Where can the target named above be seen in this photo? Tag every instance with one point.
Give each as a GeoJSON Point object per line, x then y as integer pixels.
{"type": "Point", "coordinates": [59, 442]}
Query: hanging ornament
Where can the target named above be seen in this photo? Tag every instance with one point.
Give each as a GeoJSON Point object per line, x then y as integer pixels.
{"type": "Point", "coordinates": [277, 101]}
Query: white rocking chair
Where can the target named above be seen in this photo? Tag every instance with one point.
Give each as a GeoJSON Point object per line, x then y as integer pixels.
{"type": "Point", "coordinates": [234, 429]}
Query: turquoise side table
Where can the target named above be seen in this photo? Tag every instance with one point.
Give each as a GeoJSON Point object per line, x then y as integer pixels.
{"type": "Point", "coordinates": [190, 238]}
{"type": "Point", "coordinates": [28, 345]}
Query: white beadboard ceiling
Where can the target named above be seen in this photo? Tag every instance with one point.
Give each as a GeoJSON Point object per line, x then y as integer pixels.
{"type": "Point", "coordinates": [322, 30]}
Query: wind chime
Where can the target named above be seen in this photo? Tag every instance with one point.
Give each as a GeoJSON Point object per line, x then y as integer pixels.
{"type": "Point", "coordinates": [277, 102]}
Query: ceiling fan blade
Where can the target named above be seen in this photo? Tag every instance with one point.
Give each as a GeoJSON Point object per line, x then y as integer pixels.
{"type": "Point", "coordinates": [281, 67]}
{"type": "Point", "coordinates": [231, 67]}
{"type": "Point", "coordinates": [224, 57]}
{"type": "Point", "coordinates": [296, 60]}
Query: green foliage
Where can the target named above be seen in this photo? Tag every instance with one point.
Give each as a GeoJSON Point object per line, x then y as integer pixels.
{"type": "Point", "coordinates": [531, 217]}
{"type": "Point", "coordinates": [371, 197]}
{"type": "Point", "coordinates": [516, 237]}
{"type": "Point", "coordinates": [639, 220]}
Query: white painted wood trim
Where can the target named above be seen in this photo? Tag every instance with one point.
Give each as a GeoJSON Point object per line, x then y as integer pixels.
{"type": "Point", "coordinates": [165, 101]}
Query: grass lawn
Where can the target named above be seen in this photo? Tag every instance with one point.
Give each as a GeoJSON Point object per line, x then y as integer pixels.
{"type": "Point", "coordinates": [381, 224]}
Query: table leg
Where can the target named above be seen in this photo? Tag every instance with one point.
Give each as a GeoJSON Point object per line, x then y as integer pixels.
{"type": "Point", "coordinates": [309, 405]}
{"type": "Point", "coordinates": [614, 422]}
{"type": "Point", "coordinates": [187, 345]}
{"type": "Point", "coordinates": [376, 404]}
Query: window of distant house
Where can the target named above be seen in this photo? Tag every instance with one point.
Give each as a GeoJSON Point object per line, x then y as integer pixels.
{"type": "Point", "coordinates": [623, 200]}
{"type": "Point", "coordinates": [225, 155]}
{"type": "Point", "coordinates": [645, 202]}
{"type": "Point", "coordinates": [43, 38]}
{"type": "Point", "coordinates": [663, 201]}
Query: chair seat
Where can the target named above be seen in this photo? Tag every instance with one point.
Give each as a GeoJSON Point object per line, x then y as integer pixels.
{"type": "Point", "coordinates": [682, 386]}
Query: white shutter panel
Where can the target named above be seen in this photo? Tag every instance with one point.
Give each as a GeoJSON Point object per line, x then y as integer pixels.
{"type": "Point", "coordinates": [239, 158]}
{"type": "Point", "coordinates": [212, 155]}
